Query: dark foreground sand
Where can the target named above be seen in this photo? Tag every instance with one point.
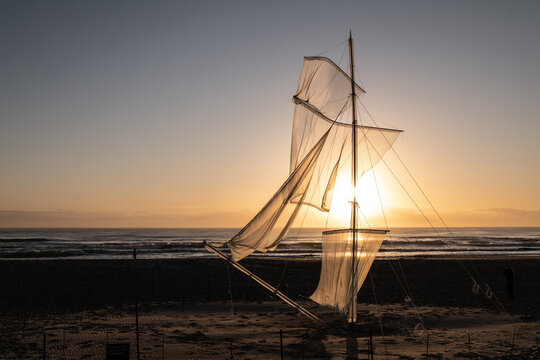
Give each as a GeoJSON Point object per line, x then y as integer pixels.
{"type": "Point", "coordinates": [186, 310]}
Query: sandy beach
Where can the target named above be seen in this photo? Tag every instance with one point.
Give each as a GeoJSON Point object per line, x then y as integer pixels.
{"type": "Point", "coordinates": [201, 309]}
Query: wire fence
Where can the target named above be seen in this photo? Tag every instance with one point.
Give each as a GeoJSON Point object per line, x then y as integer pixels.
{"type": "Point", "coordinates": [166, 331]}
{"type": "Point", "coordinates": [149, 331]}
{"type": "Point", "coordinates": [199, 310]}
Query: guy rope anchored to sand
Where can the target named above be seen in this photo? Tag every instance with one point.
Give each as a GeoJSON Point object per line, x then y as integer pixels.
{"type": "Point", "coordinates": [330, 151]}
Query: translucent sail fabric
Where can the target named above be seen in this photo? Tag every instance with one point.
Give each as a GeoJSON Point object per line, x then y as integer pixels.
{"type": "Point", "coordinates": [323, 101]}
{"type": "Point", "coordinates": [325, 86]}
{"type": "Point", "coordinates": [321, 150]}
{"type": "Point", "coordinates": [265, 231]}
{"type": "Point", "coordinates": [334, 287]}
{"type": "Point", "coordinates": [309, 125]}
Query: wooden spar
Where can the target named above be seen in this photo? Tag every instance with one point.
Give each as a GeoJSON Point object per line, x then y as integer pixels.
{"type": "Point", "coordinates": [267, 286]}
{"type": "Point", "coordinates": [352, 308]}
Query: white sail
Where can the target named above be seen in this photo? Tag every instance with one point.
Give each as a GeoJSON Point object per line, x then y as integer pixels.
{"type": "Point", "coordinates": [265, 231]}
{"type": "Point", "coordinates": [325, 86]}
{"type": "Point", "coordinates": [337, 270]}
{"type": "Point", "coordinates": [321, 149]}
{"type": "Point", "coordinates": [308, 127]}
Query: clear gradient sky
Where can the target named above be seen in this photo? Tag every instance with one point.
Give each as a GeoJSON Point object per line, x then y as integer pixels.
{"type": "Point", "coordinates": [157, 113]}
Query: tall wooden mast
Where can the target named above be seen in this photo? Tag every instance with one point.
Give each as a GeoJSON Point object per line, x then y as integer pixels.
{"type": "Point", "coordinates": [354, 206]}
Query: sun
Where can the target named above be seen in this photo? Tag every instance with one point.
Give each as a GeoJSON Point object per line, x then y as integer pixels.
{"type": "Point", "coordinates": [370, 196]}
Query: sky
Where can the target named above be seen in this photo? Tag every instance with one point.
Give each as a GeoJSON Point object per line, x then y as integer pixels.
{"type": "Point", "coordinates": [158, 113]}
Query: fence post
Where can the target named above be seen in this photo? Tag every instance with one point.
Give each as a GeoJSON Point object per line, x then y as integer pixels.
{"type": "Point", "coordinates": [469, 337]}
{"type": "Point", "coordinates": [281, 342]}
{"type": "Point", "coordinates": [44, 346]}
{"type": "Point", "coordinates": [427, 346]}
{"type": "Point", "coordinates": [137, 327]}
{"type": "Point", "coordinates": [371, 352]}
{"type": "Point", "coordinates": [162, 346]}
{"type": "Point", "coordinates": [513, 338]}
{"type": "Point", "coordinates": [18, 296]}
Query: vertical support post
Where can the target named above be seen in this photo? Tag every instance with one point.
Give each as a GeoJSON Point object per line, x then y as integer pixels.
{"type": "Point", "coordinates": [162, 346]}
{"type": "Point", "coordinates": [370, 345]}
{"type": "Point", "coordinates": [368, 349]}
{"type": "Point", "coordinates": [137, 328]}
{"type": "Point", "coordinates": [354, 220]}
{"type": "Point", "coordinates": [281, 342]}
{"type": "Point", "coordinates": [64, 341]}
{"type": "Point", "coordinates": [18, 296]}
{"type": "Point", "coordinates": [44, 346]}
{"type": "Point", "coordinates": [513, 339]}
{"type": "Point", "coordinates": [427, 346]}
{"type": "Point", "coordinates": [469, 338]}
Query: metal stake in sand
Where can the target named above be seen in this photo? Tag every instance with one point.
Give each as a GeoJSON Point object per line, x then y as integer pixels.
{"type": "Point", "coordinates": [513, 338]}
{"type": "Point", "coordinates": [18, 296]}
{"type": "Point", "coordinates": [281, 342]}
{"type": "Point", "coordinates": [64, 341]}
{"type": "Point", "coordinates": [162, 346]}
{"type": "Point", "coordinates": [137, 327]}
{"type": "Point", "coordinates": [469, 337]}
{"type": "Point", "coordinates": [44, 346]}
{"type": "Point", "coordinates": [370, 345]}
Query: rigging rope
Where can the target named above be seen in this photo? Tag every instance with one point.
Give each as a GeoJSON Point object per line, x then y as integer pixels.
{"type": "Point", "coordinates": [407, 293]}
{"type": "Point", "coordinates": [379, 315]}
{"type": "Point", "coordinates": [334, 47]}
{"type": "Point", "coordinates": [494, 298]}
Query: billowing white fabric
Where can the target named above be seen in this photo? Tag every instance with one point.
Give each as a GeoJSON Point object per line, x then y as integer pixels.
{"type": "Point", "coordinates": [336, 278]}
{"type": "Point", "coordinates": [321, 150]}
{"type": "Point", "coordinates": [309, 126]}
{"type": "Point", "coordinates": [325, 86]}
{"type": "Point", "coordinates": [270, 225]}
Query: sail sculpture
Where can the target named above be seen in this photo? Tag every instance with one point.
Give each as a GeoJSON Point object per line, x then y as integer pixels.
{"type": "Point", "coordinates": [327, 144]}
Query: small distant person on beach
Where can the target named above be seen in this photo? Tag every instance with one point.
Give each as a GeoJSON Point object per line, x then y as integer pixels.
{"type": "Point", "coordinates": [134, 253]}
{"type": "Point", "coordinates": [509, 275]}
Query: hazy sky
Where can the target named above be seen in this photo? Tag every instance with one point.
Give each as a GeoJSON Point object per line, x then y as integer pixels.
{"type": "Point", "coordinates": [179, 113]}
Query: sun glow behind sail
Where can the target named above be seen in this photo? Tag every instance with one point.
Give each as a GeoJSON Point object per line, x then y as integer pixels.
{"type": "Point", "coordinates": [371, 194]}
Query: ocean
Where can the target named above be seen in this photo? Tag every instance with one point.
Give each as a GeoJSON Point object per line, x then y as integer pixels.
{"type": "Point", "coordinates": [98, 243]}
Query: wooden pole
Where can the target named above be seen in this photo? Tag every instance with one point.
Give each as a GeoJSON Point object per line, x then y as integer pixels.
{"type": "Point", "coordinates": [64, 341]}
{"type": "Point", "coordinates": [137, 328]}
{"type": "Point", "coordinates": [44, 346]}
{"type": "Point", "coordinates": [513, 338]}
{"type": "Point", "coordinates": [267, 286]}
{"type": "Point", "coordinates": [368, 349]}
{"type": "Point", "coordinates": [469, 338]}
{"type": "Point", "coordinates": [18, 296]}
{"type": "Point", "coordinates": [281, 342]}
{"type": "Point", "coordinates": [162, 346]}
{"type": "Point", "coordinates": [427, 347]}
{"type": "Point", "coordinates": [370, 345]}
{"type": "Point", "coordinates": [354, 220]}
